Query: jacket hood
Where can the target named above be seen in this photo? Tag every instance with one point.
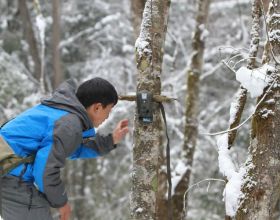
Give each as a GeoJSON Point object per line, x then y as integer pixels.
{"type": "Point", "coordinates": [65, 98]}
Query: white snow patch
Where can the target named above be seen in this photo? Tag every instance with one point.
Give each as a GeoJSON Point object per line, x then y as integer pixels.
{"type": "Point", "coordinates": [204, 32]}
{"type": "Point", "coordinates": [180, 170]}
{"type": "Point", "coordinates": [226, 165]}
{"type": "Point", "coordinates": [266, 112]}
{"type": "Point", "coordinates": [139, 210]}
{"type": "Point", "coordinates": [232, 191]}
{"type": "Point", "coordinates": [41, 25]}
{"type": "Point", "coordinates": [270, 101]}
{"type": "Point", "coordinates": [142, 46]}
{"type": "Point", "coordinates": [274, 35]}
{"type": "Point", "coordinates": [254, 80]}
{"type": "Point", "coordinates": [233, 108]}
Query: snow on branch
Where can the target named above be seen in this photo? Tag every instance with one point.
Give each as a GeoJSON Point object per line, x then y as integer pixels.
{"type": "Point", "coordinates": [142, 44]}
{"type": "Point", "coordinates": [178, 174]}
{"type": "Point", "coordinates": [235, 106]}
{"type": "Point", "coordinates": [90, 31]}
{"type": "Point", "coordinates": [247, 119]}
{"type": "Point", "coordinates": [232, 191]}
{"type": "Point", "coordinates": [41, 26]}
{"type": "Point", "coordinates": [254, 80]}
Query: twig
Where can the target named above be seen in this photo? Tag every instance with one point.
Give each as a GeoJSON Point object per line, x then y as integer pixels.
{"type": "Point", "coordinates": [234, 49]}
{"type": "Point", "coordinates": [228, 66]}
{"type": "Point", "coordinates": [226, 131]}
{"type": "Point", "coordinates": [210, 72]}
{"type": "Point", "coordinates": [210, 179]}
{"type": "Point", "coordinates": [244, 59]}
{"type": "Point", "coordinates": [237, 55]}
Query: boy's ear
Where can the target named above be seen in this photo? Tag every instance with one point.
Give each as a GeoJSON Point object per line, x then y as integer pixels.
{"type": "Point", "coordinates": [92, 107]}
{"type": "Point", "coordinates": [97, 106]}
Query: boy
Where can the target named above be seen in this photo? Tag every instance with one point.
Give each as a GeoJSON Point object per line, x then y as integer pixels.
{"type": "Point", "coordinates": [61, 127]}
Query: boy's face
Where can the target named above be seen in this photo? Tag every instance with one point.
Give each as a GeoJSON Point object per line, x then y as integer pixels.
{"type": "Point", "coordinates": [98, 114]}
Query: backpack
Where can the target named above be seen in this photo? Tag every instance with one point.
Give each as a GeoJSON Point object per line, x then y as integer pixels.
{"type": "Point", "coordinates": [9, 160]}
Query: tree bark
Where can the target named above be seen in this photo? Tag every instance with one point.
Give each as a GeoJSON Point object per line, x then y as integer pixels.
{"type": "Point", "coordinates": [192, 108]}
{"type": "Point", "coordinates": [242, 93]}
{"type": "Point", "coordinates": [30, 38]}
{"type": "Point", "coordinates": [261, 189]}
{"type": "Point", "coordinates": [58, 74]}
{"type": "Point", "coordinates": [137, 8]}
{"type": "Point", "coordinates": [146, 150]}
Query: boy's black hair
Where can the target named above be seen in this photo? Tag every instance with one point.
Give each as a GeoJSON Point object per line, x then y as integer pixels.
{"type": "Point", "coordinates": [97, 90]}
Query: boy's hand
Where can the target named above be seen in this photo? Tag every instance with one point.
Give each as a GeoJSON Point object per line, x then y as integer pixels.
{"type": "Point", "coordinates": [120, 131]}
{"type": "Point", "coordinates": [65, 212]}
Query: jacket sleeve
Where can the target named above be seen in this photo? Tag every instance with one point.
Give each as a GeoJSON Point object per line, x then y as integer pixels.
{"type": "Point", "coordinates": [84, 152]}
{"type": "Point", "coordinates": [65, 138]}
{"type": "Point", "coordinates": [101, 144]}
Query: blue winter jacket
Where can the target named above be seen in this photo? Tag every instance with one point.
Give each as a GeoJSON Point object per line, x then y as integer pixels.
{"type": "Point", "coordinates": [54, 130]}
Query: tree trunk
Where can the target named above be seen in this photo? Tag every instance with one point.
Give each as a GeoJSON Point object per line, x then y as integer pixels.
{"type": "Point", "coordinates": [146, 150]}
{"type": "Point", "coordinates": [192, 107]}
{"type": "Point", "coordinates": [30, 37]}
{"type": "Point", "coordinates": [261, 190]}
{"type": "Point", "coordinates": [137, 7]}
{"type": "Point", "coordinates": [58, 74]}
{"type": "Point", "coordinates": [242, 93]}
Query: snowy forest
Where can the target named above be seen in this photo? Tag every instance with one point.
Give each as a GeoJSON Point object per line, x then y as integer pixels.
{"type": "Point", "coordinates": [212, 64]}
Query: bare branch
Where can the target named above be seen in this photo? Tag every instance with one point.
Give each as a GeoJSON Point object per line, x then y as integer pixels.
{"type": "Point", "coordinates": [232, 129]}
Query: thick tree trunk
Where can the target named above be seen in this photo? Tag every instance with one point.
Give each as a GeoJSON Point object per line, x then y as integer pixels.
{"type": "Point", "coordinates": [146, 151]}
{"type": "Point", "coordinates": [254, 46]}
{"type": "Point", "coordinates": [192, 107]}
{"type": "Point", "coordinates": [261, 189]}
{"type": "Point", "coordinates": [58, 74]}
{"type": "Point", "coordinates": [30, 38]}
{"type": "Point", "coordinates": [137, 8]}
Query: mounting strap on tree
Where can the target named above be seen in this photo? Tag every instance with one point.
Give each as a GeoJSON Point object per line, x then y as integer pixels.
{"type": "Point", "coordinates": [145, 106]}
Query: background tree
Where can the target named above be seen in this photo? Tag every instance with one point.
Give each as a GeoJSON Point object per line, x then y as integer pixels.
{"type": "Point", "coordinates": [58, 74]}
{"type": "Point", "coordinates": [192, 107]}
{"type": "Point", "coordinates": [30, 37]}
{"type": "Point", "coordinates": [193, 74]}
